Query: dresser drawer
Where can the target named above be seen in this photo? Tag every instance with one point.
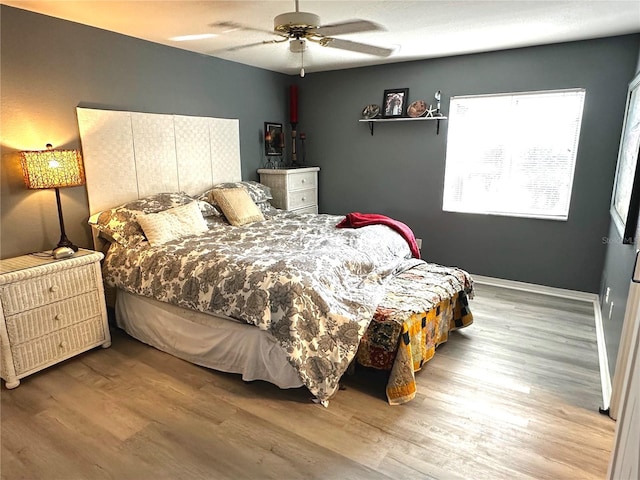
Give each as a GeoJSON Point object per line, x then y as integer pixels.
{"type": "Point", "coordinates": [58, 345]}
{"type": "Point", "coordinates": [36, 292]}
{"type": "Point", "coordinates": [302, 180]}
{"type": "Point", "coordinates": [302, 198]}
{"type": "Point", "coordinates": [40, 321]}
{"type": "Point", "coordinates": [311, 209]}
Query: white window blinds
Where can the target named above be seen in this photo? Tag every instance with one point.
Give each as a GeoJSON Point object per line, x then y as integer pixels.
{"type": "Point", "coordinates": [513, 154]}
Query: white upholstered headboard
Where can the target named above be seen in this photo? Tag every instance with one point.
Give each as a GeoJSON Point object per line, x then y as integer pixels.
{"type": "Point", "coordinates": [129, 155]}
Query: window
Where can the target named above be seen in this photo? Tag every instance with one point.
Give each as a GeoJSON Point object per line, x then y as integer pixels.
{"type": "Point", "coordinates": [513, 154]}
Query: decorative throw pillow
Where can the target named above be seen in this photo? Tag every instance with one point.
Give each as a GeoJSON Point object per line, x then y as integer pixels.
{"type": "Point", "coordinates": [258, 192]}
{"type": "Point", "coordinates": [266, 208]}
{"type": "Point", "coordinates": [120, 223]}
{"type": "Point", "coordinates": [207, 209]}
{"type": "Point", "coordinates": [237, 206]}
{"type": "Point", "coordinates": [177, 222]}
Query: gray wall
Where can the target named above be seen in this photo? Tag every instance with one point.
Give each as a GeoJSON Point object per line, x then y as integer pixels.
{"type": "Point", "coordinates": [399, 171]}
{"type": "Point", "coordinates": [618, 268]}
{"type": "Point", "coordinates": [50, 66]}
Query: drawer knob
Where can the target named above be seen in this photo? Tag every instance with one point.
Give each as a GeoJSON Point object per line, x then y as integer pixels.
{"type": "Point", "coordinates": [59, 317]}
{"type": "Point", "coordinates": [304, 180]}
{"type": "Point", "coordinates": [53, 288]}
{"type": "Point", "coordinates": [303, 199]}
{"type": "Point", "coordinates": [63, 344]}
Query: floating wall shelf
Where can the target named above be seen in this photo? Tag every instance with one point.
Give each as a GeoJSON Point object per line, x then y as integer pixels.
{"type": "Point", "coordinates": [371, 121]}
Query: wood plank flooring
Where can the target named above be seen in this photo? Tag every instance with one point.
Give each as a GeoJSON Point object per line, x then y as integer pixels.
{"type": "Point", "coordinates": [513, 396]}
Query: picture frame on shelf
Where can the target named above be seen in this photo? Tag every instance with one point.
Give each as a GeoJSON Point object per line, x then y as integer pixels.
{"type": "Point", "coordinates": [394, 102]}
{"type": "Point", "coordinates": [625, 201]}
{"type": "Point", "coordinates": [273, 139]}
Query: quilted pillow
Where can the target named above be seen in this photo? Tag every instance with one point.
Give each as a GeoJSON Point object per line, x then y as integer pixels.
{"type": "Point", "coordinates": [121, 225]}
{"type": "Point", "coordinates": [258, 192]}
{"type": "Point", "coordinates": [266, 208]}
{"type": "Point", "coordinates": [237, 206]}
{"type": "Point", "coordinates": [204, 198]}
{"type": "Point", "coordinates": [162, 227]}
{"type": "Point", "coordinates": [206, 209]}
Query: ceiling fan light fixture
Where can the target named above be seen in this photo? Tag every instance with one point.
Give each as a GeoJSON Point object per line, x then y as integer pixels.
{"type": "Point", "coordinates": [297, 45]}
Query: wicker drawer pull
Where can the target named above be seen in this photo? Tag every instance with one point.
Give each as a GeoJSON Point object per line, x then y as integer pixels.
{"type": "Point", "coordinates": [59, 317]}
{"type": "Point", "coordinates": [53, 288]}
{"type": "Point", "coordinates": [63, 344]}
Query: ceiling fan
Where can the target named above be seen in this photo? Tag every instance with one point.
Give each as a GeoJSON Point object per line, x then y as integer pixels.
{"type": "Point", "coordinates": [298, 27]}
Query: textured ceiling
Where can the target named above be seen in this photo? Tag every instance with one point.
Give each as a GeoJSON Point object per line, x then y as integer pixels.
{"type": "Point", "coordinates": [416, 30]}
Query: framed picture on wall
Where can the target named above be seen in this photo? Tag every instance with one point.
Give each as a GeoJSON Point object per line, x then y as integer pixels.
{"type": "Point", "coordinates": [394, 102]}
{"type": "Point", "coordinates": [625, 201]}
{"type": "Point", "coordinates": [273, 139]}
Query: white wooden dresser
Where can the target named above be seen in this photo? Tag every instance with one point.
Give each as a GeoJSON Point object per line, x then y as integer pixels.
{"type": "Point", "coordinates": [50, 310]}
{"type": "Point", "coordinates": [294, 189]}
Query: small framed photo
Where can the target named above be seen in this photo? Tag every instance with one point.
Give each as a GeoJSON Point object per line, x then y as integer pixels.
{"type": "Point", "coordinates": [394, 102]}
{"type": "Point", "coordinates": [273, 139]}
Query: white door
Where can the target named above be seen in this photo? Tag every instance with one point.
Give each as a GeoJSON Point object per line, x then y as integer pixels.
{"type": "Point", "coordinates": [625, 458]}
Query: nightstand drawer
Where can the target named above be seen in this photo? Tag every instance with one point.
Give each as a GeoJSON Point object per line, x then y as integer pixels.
{"type": "Point", "coordinates": [37, 322]}
{"type": "Point", "coordinates": [312, 209]}
{"type": "Point", "coordinates": [302, 180]}
{"type": "Point", "coordinates": [303, 198]}
{"type": "Point", "coordinates": [25, 295]}
{"type": "Point", "coordinates": [58, 345]}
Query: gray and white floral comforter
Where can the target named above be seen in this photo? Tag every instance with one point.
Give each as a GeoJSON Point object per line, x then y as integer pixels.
{"type": "Point", "coordinates": [314, 287]}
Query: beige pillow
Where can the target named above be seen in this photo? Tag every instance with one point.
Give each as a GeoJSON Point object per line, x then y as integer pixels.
{"type": "Point", "coordinates": [237, 206]}
{"type": "Point", "coordinates": [162, 227]}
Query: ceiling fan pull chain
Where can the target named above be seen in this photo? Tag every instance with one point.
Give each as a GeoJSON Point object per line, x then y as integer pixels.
{"type": "Point", "coordinates": [302, 61]}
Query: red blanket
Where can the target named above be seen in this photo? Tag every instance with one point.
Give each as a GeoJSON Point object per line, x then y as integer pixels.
{"type": "Point", "coordinates": [357, 220]}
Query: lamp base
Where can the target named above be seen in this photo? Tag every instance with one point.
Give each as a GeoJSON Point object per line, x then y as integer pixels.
{"type": "Point", "coordinates": [64, 249]}
{"type": "Point", "coordinates": [66, 243]}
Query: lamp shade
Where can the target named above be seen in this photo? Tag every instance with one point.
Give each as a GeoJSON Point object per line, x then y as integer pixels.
{"type": "Point", "coordinates": [52, 168]}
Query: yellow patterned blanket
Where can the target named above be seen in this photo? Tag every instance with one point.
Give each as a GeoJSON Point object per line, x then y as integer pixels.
{"type": "Point", "coordinates": [420, 308]}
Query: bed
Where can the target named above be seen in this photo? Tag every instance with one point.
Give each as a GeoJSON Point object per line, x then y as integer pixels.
{"type": "Point", "coordinates": [283, 297]}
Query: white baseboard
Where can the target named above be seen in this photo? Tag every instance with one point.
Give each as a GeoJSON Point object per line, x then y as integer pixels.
{"type": "Point", "coordinates": [593, 298]}
{"type": "Point", "coordinates": [534, 288]}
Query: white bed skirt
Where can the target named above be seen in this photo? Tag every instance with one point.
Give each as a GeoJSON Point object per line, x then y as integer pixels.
{"type": "Point", "coordinates": [210, 341]}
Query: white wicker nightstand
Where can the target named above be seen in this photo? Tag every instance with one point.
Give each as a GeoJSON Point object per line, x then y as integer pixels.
{"type": "Point", "coordinates": [50, 310]}
{"type": "Point", "coordinates": [294, 189]}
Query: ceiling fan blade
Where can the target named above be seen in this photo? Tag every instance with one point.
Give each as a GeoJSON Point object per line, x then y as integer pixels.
{"type": "Point", "coordinates": [356, 47]}
{"type": "Point", "coordinates": [228, 27]}
{"type": "Point", "coordinates": [249, 45]}
{"type": "Point", "coordinates": [351, 26]}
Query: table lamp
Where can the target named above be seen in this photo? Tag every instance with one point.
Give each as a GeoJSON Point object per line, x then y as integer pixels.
{"type": "Point", "coordinates": [54, 169]}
